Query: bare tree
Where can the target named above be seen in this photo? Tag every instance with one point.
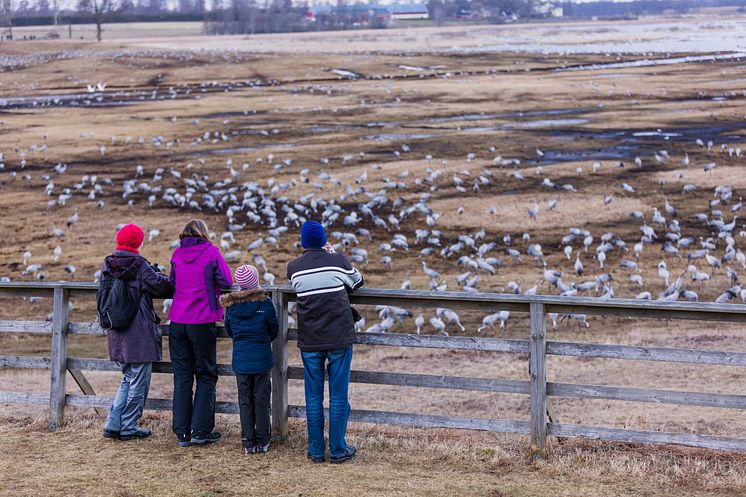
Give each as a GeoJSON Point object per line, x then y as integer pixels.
{"type": "Point", "coordinates": [103, 10]}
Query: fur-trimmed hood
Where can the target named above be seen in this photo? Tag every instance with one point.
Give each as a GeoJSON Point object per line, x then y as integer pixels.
{"type": "Point", "coordinates": [254, 295]}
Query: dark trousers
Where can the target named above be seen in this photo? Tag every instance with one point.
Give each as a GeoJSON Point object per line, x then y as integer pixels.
{"type": "Point", "coordinates": [254, 392]}
{"type": "Point", "coordinates": [193, 349]}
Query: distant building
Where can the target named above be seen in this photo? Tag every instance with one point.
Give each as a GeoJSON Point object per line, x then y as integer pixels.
{"type": "Point", "coordinates": [548, 9]}
{"type": "Point", "coordinates": [365, 15]}
{"type": "Point", "coordinates": [352, 15]}
{"type": "Point", "coordinates": [405, 12]}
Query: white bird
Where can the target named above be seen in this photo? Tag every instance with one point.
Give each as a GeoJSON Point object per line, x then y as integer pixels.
{"type": "Point", "coordinates": [419, 322]}
{"type": "Point", "coordinates": [57, 253]}
{"type": "Point", "coordinates": [579, 265]}
{"type": "Point", "coordinates": [490, 320]}
{"type": "Point", "coordinates": [232, 256]}
{"type": "Point", "coordinates": [73, 219]}
{"type": "Point", "coordinates": [450, 316]}
{"type": "Point", "coordinates": [432, 274]}
{"type": "Point", "coordinates": [439, 325]}
{"type": "Point", "coordinates": [712, 261]}
{"type": "Point", "coordinates": [601, 256]}
{"type": "Point", "coordinates": [663, 272]}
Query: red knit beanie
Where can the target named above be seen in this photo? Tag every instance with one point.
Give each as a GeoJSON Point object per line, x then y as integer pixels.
{"type": "Point", "coordinates": [130, 237]}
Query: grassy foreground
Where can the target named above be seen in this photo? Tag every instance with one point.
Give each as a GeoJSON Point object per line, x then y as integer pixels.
{"type": "Point", "coordinates": [392, 461]}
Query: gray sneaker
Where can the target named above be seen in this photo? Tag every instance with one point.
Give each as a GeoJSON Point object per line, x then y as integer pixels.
{"type": "Point", "coordinates": [261, 449]}
{"type": "Point", "coordinates": [205, 438]}
{"type": "Point", "coordinates": [349, 454]}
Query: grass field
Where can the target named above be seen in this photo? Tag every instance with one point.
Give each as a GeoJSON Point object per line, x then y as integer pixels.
{"type": "Point", "coordinates": [476, 132]}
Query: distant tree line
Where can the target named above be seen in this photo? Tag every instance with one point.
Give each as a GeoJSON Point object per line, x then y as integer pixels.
{"type": "Point", "coordinates": [266, 16]}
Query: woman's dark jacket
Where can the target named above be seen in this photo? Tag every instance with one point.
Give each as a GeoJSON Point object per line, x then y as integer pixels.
{"type": "Point", "coordinates": [141, 342]}
{"type": "Point", "coordinates": [251, 321]}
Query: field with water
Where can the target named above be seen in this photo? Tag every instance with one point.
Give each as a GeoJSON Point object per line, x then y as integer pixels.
{"type": "Point", "coordinates": [430, 151]}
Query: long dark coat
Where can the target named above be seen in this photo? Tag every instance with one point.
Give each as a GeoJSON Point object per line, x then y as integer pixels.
{"type": "Point", "coordinates": [142, 341]}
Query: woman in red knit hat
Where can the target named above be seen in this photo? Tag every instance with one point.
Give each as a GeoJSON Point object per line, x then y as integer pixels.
{"type": "Point", "coordinates": [138, 346]}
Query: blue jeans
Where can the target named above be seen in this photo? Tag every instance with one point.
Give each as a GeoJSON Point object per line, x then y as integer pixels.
{"type": "Point", "coordinates": [130, 400]}
{"type": "Point", "coordinates": [337, 362]}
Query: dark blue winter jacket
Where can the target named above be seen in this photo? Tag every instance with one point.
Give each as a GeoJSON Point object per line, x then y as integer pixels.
{"type": "Point", "coordinates": [251, 321]}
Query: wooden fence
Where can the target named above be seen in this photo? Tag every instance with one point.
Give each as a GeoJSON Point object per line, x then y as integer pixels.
{"type": "Point", "coordinates": [537, 347]}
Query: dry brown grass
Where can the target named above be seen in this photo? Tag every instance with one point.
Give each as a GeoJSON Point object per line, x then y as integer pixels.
{"type": "Point", "coordinates": [392, 461]}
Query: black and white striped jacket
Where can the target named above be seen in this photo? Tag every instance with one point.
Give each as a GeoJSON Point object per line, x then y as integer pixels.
{"type": "Point", "coordinates": [322, 281]}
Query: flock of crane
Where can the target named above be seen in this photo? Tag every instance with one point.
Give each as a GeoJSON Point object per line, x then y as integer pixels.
{"type": "Point", "coordinates": [380, 222]}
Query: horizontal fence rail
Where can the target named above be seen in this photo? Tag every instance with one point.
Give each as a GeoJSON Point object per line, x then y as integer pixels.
{"type": "Point", "coordinates": [543, 421]}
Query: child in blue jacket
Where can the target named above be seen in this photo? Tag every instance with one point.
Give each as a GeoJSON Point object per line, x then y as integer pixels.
{"type": "Point", "coordinates": [251, 321]}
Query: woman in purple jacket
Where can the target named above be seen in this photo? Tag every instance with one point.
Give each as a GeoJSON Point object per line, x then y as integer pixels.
{"type": "Point", "coordinates": [198, 273]}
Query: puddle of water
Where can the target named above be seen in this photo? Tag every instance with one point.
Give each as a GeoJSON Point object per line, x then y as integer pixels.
{"type": "Point", "coordinates": [398, 136]}
{"type": "Point", "coordinates": [546, 123]}
{"type": "Point", "coordinates": [657, 62]}
{"type": "Point", "coordinates": [620, 152]}
{"type": "Point", "coordinates": [228, 151]}
{"type": "Point", "coordinates": [619, 75]}
{"type": "Point", "coordinates": [528, 113]}
{"type": "Point", "coordinates": [657, 133]}
{"type": "Point", "coordinates": [346, 73]}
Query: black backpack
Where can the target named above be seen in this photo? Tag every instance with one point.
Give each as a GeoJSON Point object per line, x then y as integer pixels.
{"type": "Point", "coordinates": [116, 307]}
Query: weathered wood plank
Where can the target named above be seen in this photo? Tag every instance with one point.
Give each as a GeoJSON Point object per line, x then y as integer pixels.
{"type": "Point", "coordinates": [429, 381]}
{"type": "Point", "coordinates": [93, 328]}
{"type": "Point", "coordinates": [153, 404]}
{"type": "Point", "coordinates": [537, 370]}
{"type": "Point", "coordinates": [25, 362]}
{"type": "Point", "coordinates": [427, 301]}
{"type": "Point", "coordinates": [107, 365]}
{"type": "Point", "coordinates": [637, 353]}
{"type": "Point", "coordinates": [279, 374]}
{"type": "Point", "coordinates": [24, 292]}
{"type": "Point", "coordinates": [7, 326]}
{"type": "Point", "coordinates": [23, 398]}
{"type": "Point", "coordinates": [647, 437]}
{"type": "Point", "coordinates": [436, 342]}
{"type": "Point", "coordinates": [647, 395]}
{"type": "Point", "coordinates": [58, 363]}
{"type": "Point", "coordinates": [697, 314]}
{"type": "Point", "coordinates": [488, 301]}
{"type": "Point", "coordinates": [85, 328]}
{"type": "Point", "coordinates": [82, 381]}
{"type": "Point", "coordinates": [426, 420]}
{"type": "Point", "coordinates": [83, 384]}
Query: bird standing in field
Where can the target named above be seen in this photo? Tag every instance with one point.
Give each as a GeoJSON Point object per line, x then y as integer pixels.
{"type": "Point", "coordinates": [72, 220]}
{"type": "Point", "coordinates": [449, 316]}
{"type": "Point", "coordinates": [663, 272]}
{"type": "Point", "coordinates": [490, 320]}
{"type": "Point", "coordinates": [439, 325]}
{"type": "Point", "coordinates": [419, 322]}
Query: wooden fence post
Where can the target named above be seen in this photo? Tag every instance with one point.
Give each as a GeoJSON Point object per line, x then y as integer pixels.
{"type": "Point", "coordinates": [58, 364]}
{"type": "Point", "coordinates": [280, 371]}
{"type": "Point", "coordinates": [537, 370]}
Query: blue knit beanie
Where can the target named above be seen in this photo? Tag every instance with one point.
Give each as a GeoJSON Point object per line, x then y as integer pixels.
{"type": "Point", "coordinates": [312, 235]}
